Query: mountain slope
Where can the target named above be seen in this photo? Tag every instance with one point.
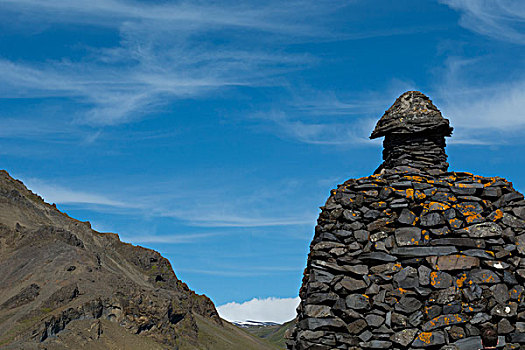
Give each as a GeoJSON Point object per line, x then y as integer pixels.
{"type": "Point", "coordinates": [273, 333]}
{"type": "Point", "coordinates": [66, 286]}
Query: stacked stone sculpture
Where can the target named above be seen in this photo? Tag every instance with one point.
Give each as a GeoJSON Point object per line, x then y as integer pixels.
{"type": "Point", "coordinates": [414, 256]}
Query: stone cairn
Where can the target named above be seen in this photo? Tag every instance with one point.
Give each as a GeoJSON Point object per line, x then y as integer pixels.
{"type": "Point", "coordinates": [414, 256]}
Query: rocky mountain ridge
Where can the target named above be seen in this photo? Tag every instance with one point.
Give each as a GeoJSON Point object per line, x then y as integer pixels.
{"type": "Point", "coordinates": [65, 286]}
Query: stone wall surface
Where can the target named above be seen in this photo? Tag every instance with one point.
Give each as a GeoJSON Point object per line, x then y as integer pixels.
{"type": "Point", "coordinates": [415, 257]}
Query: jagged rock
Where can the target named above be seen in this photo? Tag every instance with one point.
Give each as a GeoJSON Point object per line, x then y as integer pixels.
{"type": "Point", "coordinates": [26, 295]}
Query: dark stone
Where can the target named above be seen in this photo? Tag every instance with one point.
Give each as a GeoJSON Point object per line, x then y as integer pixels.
{"type": "Point", "coordinates": [408, 305]}
{"type": "Point", "coordinates": [517, 337]}
{"type": "Point", "coordinates": [374, 320]}
{"type": "Point", "coordinates": [453, 262]}
{"type": "Point", "coordinates": [480, 317]}
{"type": "Point", "coordinates": [358, 302]}
{"type": "Point", "coordinates": [404, 337]}
{"type": "Point", "coordinates": [456, 332]}
{"type": "Point", "coordinates": [470, 343]}
{"type": "Point", "coordinates": [440, 279]}
{"type": "Point", "coordinates": [500, 293]}
{"type": "Point", "coordinates": [460, 242]}
{"type": "Point", "coordinates": [407, 217]}
{"type": "Point", "coordinates": [507, 310]}
{"type": "Point", "coordinates": [479, 253]}
{"type": "Point", "coordinates": [429, 339]}
{"type": "Point", "coordinates": [516, 293]}
{"type": "Point", "coordinates": [406, 236]}
{"type": "Point", "coordinates": [322, 323]}
{"type": "Point", "coordinates": [407, 278]}
{"type": "Point", "coordinates": [483, 276]}
{"type": "Point", "coordinates": [441, 231]}
{"type": "Point", "coordinates": [350, 284]}
{"type": "Point", "coordinates": [445, 296]}
{"type": "Point", "coordinates": [424, 275]}
{"type": "Point", "coordinates": [452, 308]}
{"type": "Point", "coordinates": [378, 256]}
{"type": "Point", "coordinates": [432, 219]}
{"type": "Point", "coordinates": [361, 235]}
{"type": "Point", "coordinates": [357, 327]}
{"type": "Point", "coordinates": [488, 229]}
{"type": "Point", "coordinates": [433, 311]}
{"type": "Point", "coordinates": [443, 321]}
{"type": "Point", "coordinates": [472, 293]}
{"type": "Point", "coordinates": [513, 221]}
{"type": "Point", "coordinates": [504, 326]}
{"type": "Point", "coordinates": [376, 344]}
{"type": "Point", "coordinates": [423, 251]}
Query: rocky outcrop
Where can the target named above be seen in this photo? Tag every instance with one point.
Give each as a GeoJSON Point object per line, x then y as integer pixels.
{"type": "Point", "coordinates": [64, 285]}
{"type": "Point", "coordinates": [414, 256]}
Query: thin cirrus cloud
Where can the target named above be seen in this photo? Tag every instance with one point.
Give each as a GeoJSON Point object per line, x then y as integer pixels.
{"type": "Point", "coordinates": [209, 209]}
{"type": "Point", "coordinates": [271, 309]}
{"type": "Point", "coordinates": [150, 66]}
{"type": "Point", "coordinates": [170, 238]}
{"type": "Point", "coordinates": [498, 19]}
{"type": "Point", "coordinates": [266, 17]}
{"type": "Point", "coordinates": [57, 194]}
{"type": "Point", "coordinates": [483, 112]}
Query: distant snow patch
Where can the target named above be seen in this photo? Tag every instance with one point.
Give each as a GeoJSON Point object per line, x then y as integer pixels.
{"type": "Point", "coordinates": [278, 310]}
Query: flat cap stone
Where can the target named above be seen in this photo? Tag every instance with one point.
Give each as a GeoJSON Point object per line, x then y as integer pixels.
{"type": "Point", "coordinates": [412, 112]}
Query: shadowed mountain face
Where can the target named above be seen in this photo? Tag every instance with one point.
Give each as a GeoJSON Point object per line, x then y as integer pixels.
{"type": "Point", "coordinates": [66, 286]}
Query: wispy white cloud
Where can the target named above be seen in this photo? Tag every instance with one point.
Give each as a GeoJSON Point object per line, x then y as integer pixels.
{"type": "Point", "coordinates": [211, 207]}
{"type": "Point", "coordinates": [251, 271]}
{"type": "Point", "coordinates": [498, 19]}
{"type": "Point", "coordinates": [58, 194]}
{"type": "Point", "coordinates": [170, 238]}
{"type": "Point", "coordinates": [324, 118]}
{"type": "Point", "coordinates": [483, 113]}
{"type": "Point", "coordinates": [167, 51]}
{"type": "Point", "coordinates": [263, 16]}
{"type": "Point", "coordinates": [271, 309]}
{"type": "Point", "coordinates": [289, 125]}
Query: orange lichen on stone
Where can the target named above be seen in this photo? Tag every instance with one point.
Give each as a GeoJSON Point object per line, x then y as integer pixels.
{"type": "Point", "coordinates": [415, 178]}
{"type": "Point", "coordinates": [462, 278]}
{"type": "Point", "coordinates": [455, 223]}
{"type": "Point", "coordinates": [425, 337]}
{"type": "Point", "coordinates": [470, 219]}
{"type": "Point", "coordinates": [419, 195]}
{"type": "Point", "coordinates": [410, 193]}
{"type": "Point", "coordinates": [433, 277]}
{"type": "Point", "coordinates": [437, 206]}
{"type": "Point", "coordinates": [452, 178]}
{"type": "Point", "coordinates": [499, 215]}
{"type": "Point", "coordinates": [491, 182]}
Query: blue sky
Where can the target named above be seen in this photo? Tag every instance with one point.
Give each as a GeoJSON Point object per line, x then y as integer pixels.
{"type": "Point", "coordinates": [213, 131]}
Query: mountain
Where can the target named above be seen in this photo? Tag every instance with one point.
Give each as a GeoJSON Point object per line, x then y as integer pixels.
{"type": "Point", "coordinates": [270, 331]}
{"type": "Point", "coordinates": [64, 285]}
{"type": "Point", "coordinates": [249, 324]}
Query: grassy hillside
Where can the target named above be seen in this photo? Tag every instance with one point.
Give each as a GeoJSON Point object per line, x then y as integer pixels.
{"type": "Point", "coordinates": [226, 337]}
{"type": "Point", "coordinates": [273, 334]}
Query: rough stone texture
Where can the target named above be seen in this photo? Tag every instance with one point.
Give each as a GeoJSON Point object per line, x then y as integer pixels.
{"type": "Point", "coordinates": [437, 254]}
